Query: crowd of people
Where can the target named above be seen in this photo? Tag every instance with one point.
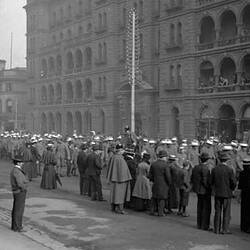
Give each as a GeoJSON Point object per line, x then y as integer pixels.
{"type": "Point", "coordinates": [143, 174]}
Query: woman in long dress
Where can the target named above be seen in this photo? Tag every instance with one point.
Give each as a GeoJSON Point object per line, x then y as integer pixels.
{"type": "Point", "coordinates": [49, 172]}
{"type": "Point", "coordinates": [143, 189]}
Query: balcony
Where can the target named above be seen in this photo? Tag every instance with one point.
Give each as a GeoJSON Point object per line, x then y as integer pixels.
{"type": "Point", "coordinates": [78, 100]}
{"type": "Point", "coordinates": [68, 100]}
{"type": "Point", "coordinates": [78, 69]}
{"type": "Point", "coordinates": [174, 45]}
{"type": "Point", "coordinates": [175, 84]}
{"type": "Point", "coordinates": [58, 100]}
{"type": "Point", "coordinates": [100, 95]}
{"type": "Point", "coordinates": [224, 42]}
{"type": "Point", "coordinates": [69, 71]}
{"type": "Point", "coordinates": [178, 5]}
{"type": "Point", "coordinates": [101, 29]}
{"type": "Point", "coordinates": [100, 62]}
{"type": "Point", "coordinates": [205, 46]}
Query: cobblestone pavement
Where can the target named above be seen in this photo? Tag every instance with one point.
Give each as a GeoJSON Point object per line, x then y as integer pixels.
{"type": "Point", "coordinates": [62, 219]}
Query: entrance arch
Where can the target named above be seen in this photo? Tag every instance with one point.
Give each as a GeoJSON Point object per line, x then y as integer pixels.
{"type": "Point", "coordinates": [175, 122]}
{"type": "Point", "coordinates": [226, 124]}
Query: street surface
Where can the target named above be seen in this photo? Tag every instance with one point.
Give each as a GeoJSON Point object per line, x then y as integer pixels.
{"type": "Point", "coordinates": [62, 219]}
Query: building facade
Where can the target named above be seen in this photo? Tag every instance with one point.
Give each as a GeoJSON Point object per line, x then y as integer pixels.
{"type": "Point", "coordinates": [194, 77]}
{"type": "Point", "coordinates": [13, 98]}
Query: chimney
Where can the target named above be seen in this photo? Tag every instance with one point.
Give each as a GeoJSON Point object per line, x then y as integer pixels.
{"type": "Point", "coordinates": [2, 65]}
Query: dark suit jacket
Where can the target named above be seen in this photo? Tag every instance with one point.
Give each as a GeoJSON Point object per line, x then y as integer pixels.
{"type": "Point", "coordinates": [82, 162]}
{"type": "Point", "coordinates": [223, 181]}
{"type": "Point", "coordinates": [201, 179]}
{"type": "Point", "coordinates": [160, 175]}
{"type": "Point", "coordinates": [94, 165]}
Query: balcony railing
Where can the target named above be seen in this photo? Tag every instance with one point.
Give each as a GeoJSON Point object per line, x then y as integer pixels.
{"type": "Point", "coordinates": [100, 95]}
{"type": "Point", "coordinates": [224, 42]}
{"type": "Point", "coordinates": [101, 29]}
{"type": "Point", "coordinates": [174, 45]}
{"type": "Point", "coordinates": [205, 46]}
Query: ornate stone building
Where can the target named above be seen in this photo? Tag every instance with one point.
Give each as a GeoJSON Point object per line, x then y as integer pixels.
{"type": "Point", "coordinates": [13, 98]}
{"type": "Point", "coordinates": [194, 63]}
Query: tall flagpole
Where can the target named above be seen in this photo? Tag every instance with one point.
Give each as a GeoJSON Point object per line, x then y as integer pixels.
{"type": "Point", "coordinates": [133, 76]}
{"type": "Point", "coordinates": [16, 115]}
{"type": "Point", "coordinates": [133, 51]}
{"type": "Point", "coordinates": [11, 49]}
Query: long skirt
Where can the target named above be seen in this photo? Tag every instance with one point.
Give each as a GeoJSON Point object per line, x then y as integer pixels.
{"type": "Point", "coordinates": [120, 192]}
{"type": "Point", "coordinates": [245, 212]}
{"type": "Point", "coordinates": [27, 167]}
{"type": "Point", "coordinates": [33, 170]}
{"type": "Point", "coordinates": [49, 177]}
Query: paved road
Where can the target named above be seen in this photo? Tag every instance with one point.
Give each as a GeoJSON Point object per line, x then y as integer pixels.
{"type": "Point", "coordinates": [62, 219]}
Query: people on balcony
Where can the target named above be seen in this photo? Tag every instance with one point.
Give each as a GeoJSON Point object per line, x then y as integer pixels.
{"type": "Point", "coordinates": [223, 81]}
{"type": "Point", "coordinates": [244, 79]}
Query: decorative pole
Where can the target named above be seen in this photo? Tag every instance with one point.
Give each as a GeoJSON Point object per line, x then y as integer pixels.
{"type": "Point", "coordinates": [133, 50]}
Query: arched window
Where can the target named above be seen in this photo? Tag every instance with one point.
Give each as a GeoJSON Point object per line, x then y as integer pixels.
{"type": "Point", "coordinates": [51, 93]}
{"type": "Point", "coordinates": [79, 59]}
{"type": "Point", "coordinates": [105, 52]}
{"type": "Point", "coordinates": [88, 121]}
{"type": "Point", "coordinates": [228, 70]}
{"type": "Point", "coordinates": [179, 33]}
{"type": "Point", "coordinates": [44, 68]}
{"type": "Point", "coordinates": [99, 20]}
{"type": "Point", "coordinates": [141, 10]}
{"type": "Point", "coordinates": [100, 51]}
{"type": "Point", "coordinates": [58, 64]}
{"type": "Point", "coordinates": [58, 93]}
{"type": "Point", "coordinates": [79, 91]}
{"type": "Point", "coordinates": [70, 60]}
{"type": "Point", "coordinates": [44, 123]}
{"type": "Point", "coordinates": [69, 123]}
{"type": "Point", "coordinates": [51, 65]}
{"type": "Point", "coordinates": [207, 33]}
{"type": "Point", "coordinates": [172, 76]}
{"type": "Point", "coordinates": [9, 106]}
{"type": "Point", "coordinates": [104, 85]}
{"type": "Point", "coordinates": [228, 25]}
{"type": "Point", "coordinates": [102, 121]}
{"type": "Point", "coordinates": [100, 85]}
{"type": "Point", "coordinates": [69, 92]}
{"type": "Point", "coordinates": [78, 119]}
{"type": "Point", "coordinates": [171, 34]}
{"type": "Point", "coordinates": [88, 56]}
{"type": "Point", "coordinates": [179, 75]}
{"type": "Point", "coordinates": [105, 22]}
{"type": "Point", "coordinates": [206, 74]}
{"type": "Point", "coordinates": [88, 89]}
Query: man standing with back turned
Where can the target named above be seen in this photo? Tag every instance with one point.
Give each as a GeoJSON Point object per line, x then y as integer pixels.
{"type": "Point", "coordinates": [223, 182]}
{"type": "Point", "coordinates": [19, 188]}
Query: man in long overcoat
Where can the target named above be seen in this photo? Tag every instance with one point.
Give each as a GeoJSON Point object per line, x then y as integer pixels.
{"type": "Point", "coordinates": [93, 171]}
{"type": "Point", "coordinates": [160, 175]}
{"type": "Point", "coordinates": [82, 166]}
{"type": "Point", "coordinates": [201, 182]}
{"type": "Point", "coordinates": [244, 186]}
{"type": "Point", "coordinates": [223, 183]}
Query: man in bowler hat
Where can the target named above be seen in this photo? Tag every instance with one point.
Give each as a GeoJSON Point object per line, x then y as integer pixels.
{"type": "Point", "coordinates": [19, 188]}
{"type": "Point", "coordinates": [201, 181]}
{"type": "Point", "coordinates": [223, 183]}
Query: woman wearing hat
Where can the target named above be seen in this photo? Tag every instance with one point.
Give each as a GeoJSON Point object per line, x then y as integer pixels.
{"type": "Point", "coordinates": [142, 190]}
{"type": "Point", "coordinates": [49, 173]}
{"type": "Point", "coordinates": [119, 176]}
{"type": "Point", "coordinates": [244, 186]}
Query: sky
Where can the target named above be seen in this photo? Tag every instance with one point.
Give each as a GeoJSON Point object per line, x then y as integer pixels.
{"type": "Point", "coordinates": [13, 19]}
